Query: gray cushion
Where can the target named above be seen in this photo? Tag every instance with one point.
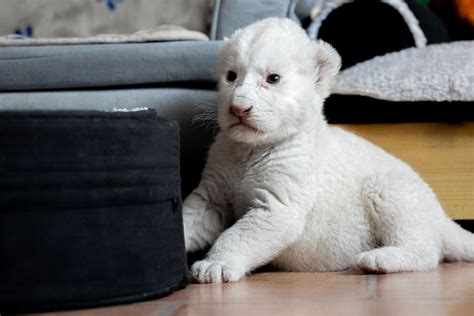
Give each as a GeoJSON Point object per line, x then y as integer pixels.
{"type": "Point", "coordinates": [82, 66]}
{"type": "Point", "coordinates": [230, 15]}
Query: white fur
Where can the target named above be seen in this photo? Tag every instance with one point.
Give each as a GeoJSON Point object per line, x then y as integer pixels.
{"type": "Point", "coordinates": [295, 192]}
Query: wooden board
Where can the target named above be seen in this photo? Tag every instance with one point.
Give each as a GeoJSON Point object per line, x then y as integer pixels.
{"type": "Point", "coordinates": [443, 154]}
{"type": "Point", "coordinates": [447, 290]}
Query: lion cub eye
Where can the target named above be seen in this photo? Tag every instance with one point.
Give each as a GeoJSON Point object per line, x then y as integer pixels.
{"type": "Point", "coordinates": [231, 76]}
{"type": "Point", "coordinates": [273, 79]}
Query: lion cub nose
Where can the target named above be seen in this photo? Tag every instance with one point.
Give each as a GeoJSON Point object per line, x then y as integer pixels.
{"type": "Point", "coordinates": [239, 111]}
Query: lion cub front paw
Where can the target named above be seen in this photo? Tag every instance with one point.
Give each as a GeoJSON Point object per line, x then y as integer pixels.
{"type": "Point", "coordinates": [208, 271]}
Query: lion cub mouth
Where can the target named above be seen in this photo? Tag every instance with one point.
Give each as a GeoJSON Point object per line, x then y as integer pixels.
{"type": "Point", "coordinates": [245, 124]}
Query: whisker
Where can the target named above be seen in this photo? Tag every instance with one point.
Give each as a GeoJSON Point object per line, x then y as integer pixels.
{"type": "Point", "coordinates": [206, 115]}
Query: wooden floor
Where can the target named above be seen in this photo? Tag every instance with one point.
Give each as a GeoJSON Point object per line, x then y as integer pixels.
{"type": "Point", "coordinates": [447, 290]}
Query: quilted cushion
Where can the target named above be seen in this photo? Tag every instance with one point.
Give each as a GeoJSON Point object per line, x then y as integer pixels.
{"type": "Point", "coordinates": [90, 209]}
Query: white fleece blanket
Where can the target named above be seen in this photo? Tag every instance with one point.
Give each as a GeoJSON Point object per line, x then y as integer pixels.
{"type": "Point", "coordinates": [162, 33]}
{"type": "Point", "coordinates": [441, 72]}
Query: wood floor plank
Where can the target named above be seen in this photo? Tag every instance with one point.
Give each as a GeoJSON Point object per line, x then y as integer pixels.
{"type": "Point", "coordinates": [417, 308]}
{"type": "Point", "coordinates": [446, 290]}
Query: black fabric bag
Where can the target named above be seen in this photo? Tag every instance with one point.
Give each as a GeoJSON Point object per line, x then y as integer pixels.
{"type": "Point", "coordinates": [90, 209]}
{"type": "Point", "coordinates": [363, 29]}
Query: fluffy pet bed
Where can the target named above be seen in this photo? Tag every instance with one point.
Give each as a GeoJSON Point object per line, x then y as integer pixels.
{"type": "Point", "coordinates": [90, 209]}
{"type": "Point", "coordinates": [432, 83]}
{"type": "Point", "coordinates": [442, 72]}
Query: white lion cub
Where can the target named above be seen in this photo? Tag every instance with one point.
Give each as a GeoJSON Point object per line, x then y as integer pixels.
{"type": "Point", "coordinates": [282, 187]}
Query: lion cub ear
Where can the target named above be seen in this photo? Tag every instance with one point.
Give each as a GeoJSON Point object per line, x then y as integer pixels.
{"type": "Point", "coordinates": [328, 63]}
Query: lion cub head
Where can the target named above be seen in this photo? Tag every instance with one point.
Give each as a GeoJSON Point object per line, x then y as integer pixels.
{"type": "Point", "coordinates": [273, 81]}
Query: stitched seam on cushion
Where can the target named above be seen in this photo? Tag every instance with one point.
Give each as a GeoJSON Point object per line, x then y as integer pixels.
{"type": "Point", "coordinates": [58, 186]}
{"type": "Point", "coordinates": [90, 208]}
{"type": "Point", "coordinates": [91, 170]}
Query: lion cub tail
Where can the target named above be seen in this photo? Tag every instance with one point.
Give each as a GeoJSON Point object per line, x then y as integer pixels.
{"type": "Point", "coordinates": [458, 244]}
